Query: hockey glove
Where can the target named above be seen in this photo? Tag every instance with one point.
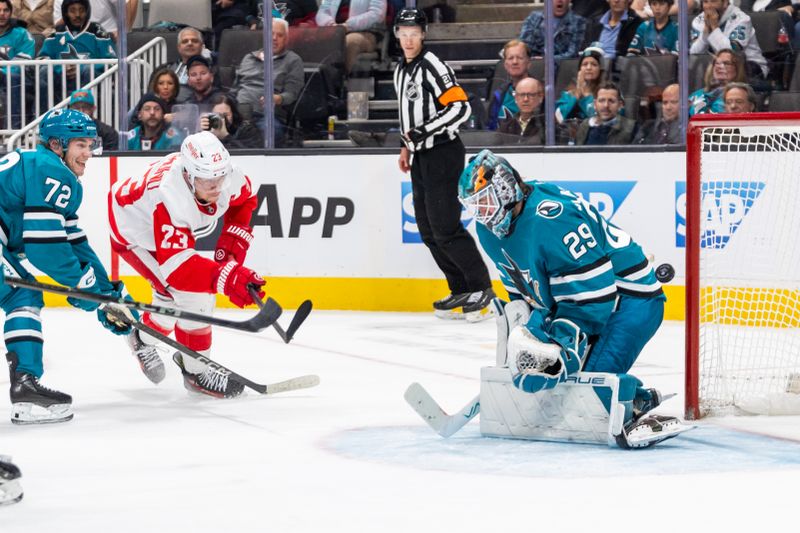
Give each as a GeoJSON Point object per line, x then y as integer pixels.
{"type": "Point", "coordinates": [111, 323]}
{"type": "Point", "coordinates": [233, 280]}
{"type": "Point", "coordinates": [534, 365]}
{"type": "Point", "coordinates": [233, 244]}
{"type": "Point", "coordinates": [88, 283]}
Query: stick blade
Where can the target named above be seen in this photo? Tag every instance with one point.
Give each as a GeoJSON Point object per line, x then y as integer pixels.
{"type": "Point", "coordinates": [267, 315]}
{"type": "Point", "coordinates": [300, 382]}
{"type": "Point", "coordinates": [303, 310]}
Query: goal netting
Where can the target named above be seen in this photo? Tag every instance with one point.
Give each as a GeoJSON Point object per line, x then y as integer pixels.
{"type": "Point", "coordinates": [743, 265]}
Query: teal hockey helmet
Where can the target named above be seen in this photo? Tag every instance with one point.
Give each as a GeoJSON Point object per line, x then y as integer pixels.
{"type": "Point", "coordinates": [489, 188]}
{"type": "Point", "coordinates": [66, 124]}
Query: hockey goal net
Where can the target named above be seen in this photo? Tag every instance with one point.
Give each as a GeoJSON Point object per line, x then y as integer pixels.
{"type": "Point", "coordinates": [743, 265]}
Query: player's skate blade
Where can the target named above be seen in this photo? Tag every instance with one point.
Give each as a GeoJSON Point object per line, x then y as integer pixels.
{"type": "Point", "coordinates": [24, 413]}
{"type": "Point", "coordinates": [651, 430]}
{"type": "Point", "coordinates": [213, 382]}
{"type": "Point", "coordinates": [477, 307]}
{"type": "Point", "coordinates": [449, 307]}
{"type": "Point", "coordinates": [10, 486]}
{"type": "Point", "coordinates": [147, 355]}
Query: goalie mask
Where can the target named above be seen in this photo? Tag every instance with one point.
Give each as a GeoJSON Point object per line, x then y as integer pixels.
{"type": "Point", "coordinates": [489, 189]}
{"type": "Point", "coordinates": [205, 161]}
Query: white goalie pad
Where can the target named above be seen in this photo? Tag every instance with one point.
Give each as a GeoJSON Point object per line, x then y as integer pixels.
{"type": "Point", "coordinates": [585, 409]}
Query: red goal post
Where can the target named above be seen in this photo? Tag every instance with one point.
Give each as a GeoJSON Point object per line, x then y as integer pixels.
{"type": "Point", "coordinates": [742, 268]}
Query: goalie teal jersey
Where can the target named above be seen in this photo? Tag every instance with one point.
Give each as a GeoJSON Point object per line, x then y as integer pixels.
{"type": "Point", "coordinates": [39, 216]}
{"type": "Point", "coordinates": [568, 261]}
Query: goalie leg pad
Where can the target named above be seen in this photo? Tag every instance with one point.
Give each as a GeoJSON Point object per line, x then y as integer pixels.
{"type": "Point", "coordinates": [534, 365]}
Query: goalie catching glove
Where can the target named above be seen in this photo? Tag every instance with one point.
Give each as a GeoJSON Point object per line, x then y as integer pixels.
{"type": "Point", "coordinates": [233, 281]}
{"type": "Point", "coordinates": [233, 243]}
{"type": "Point", "coordinates": [540, 364]}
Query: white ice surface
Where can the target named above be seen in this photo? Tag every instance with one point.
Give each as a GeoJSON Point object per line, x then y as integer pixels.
{"type": "Point", "coordinates": [351, 456]}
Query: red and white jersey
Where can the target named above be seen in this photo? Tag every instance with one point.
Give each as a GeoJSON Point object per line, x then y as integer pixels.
{"type": "Point", "coordinates": [159, 213]}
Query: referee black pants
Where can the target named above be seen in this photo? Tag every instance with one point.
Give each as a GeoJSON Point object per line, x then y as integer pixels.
{"type": "Point", "coordinates": [434, 184]}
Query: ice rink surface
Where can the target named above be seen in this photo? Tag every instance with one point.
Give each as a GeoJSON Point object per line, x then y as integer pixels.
{"type": "Point", "coordinates": [351, 456]}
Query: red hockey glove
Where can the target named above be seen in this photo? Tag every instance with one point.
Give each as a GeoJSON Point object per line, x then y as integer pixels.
{"type": "Point", "coordinates": [233, 280]}
{"type": "Point", "coordinates": [233, 243]}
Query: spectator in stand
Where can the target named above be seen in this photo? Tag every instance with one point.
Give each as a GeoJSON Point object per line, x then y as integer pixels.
{"type": "Point", "coordinates": [645, 11]}
{"type": "Point", "coordinates": [527, 124]}
{"type": "Point", "coordinates": [667, 129]}
{"type": "Point", "coordinates": [153, 132]}
{"type": "Point", "coordinates": [15, 43]}
{"type": "Point", "coordinates": [164, 84]}
{"type": "Point", "coordinates": [190, 44]}
{"type": "Point", "coordinates": [226, 123]}
{"type": "Point", "coordinates": [739, 98]}
{"type": "Point", "coordinates": [727, 67]}
{"type": "Point", "coordinates": [364, 21]}
{"type": "Point", "coordinates": [37, 14]}
{"type": "Point", "coordinates": [608, 126]}
{"type": "Point", "coordinates": [287, 80]}
{"type": "Point", "coordinates": [104, 13]}
{"type": "Point", "coordinates": [615, 29]}
{"type": "Point", "coordinates": [77, 38]}
{"type": "Point", "coordinates": [201, 82]}
{"type": "Point", "coordinates": [659, 35]}
{"type": "Point", "coordinates": [229, 13]}
{"type": "Point", "coordinates": [568, 31]}
{"type": "Point", "coordinates": [723, 26]}
{"type": "Point", "coordinates": [83, 101]}
{"type": "Point", "coordinates": [516, 61]}
{"type": "Point", "coordinates": [577, 102]}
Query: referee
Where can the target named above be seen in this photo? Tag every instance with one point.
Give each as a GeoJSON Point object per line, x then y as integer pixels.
{"type": "Point", "coordinates": [432, 105]}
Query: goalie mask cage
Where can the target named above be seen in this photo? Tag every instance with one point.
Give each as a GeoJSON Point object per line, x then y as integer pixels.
{"type": "Point", "coordinates": [743, 264]}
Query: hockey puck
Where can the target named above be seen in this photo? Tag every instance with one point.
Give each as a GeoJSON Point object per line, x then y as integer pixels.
{"type": "Point", "coordinates": [665, 273]}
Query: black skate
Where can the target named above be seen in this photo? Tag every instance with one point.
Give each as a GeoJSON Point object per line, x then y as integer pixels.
{"type": "Point", "coordinates": [649, 431]}
{"type": "Point", "coordinates": [31, 402]}
{"type": "Point", "coordinates": [477, 307]}
{"type": "Point", "coordinates": [474, 306]}
{"type": "Point", "coordinates": [213, 381]}
{"type": "Point", "coordinates": [10, 487]}
{"type": "Point", "coordinates": [147, 355]}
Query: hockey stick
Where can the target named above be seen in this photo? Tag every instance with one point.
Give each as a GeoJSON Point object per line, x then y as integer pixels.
{"type": "Point", "coordinates": [297, 320]}
{"type": "Point", "coordinates": [442, 423]}
{"type": "Point", "coordinates": [301, 382]}
{"type": "Point", "coordinates": [265, 317]}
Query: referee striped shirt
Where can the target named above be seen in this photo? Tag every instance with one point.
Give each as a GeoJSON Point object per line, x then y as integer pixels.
{"type": "Point", "coordinates": [429, 99]}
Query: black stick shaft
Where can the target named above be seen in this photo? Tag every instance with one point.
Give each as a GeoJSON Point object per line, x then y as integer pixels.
{"type": "Point", "coordinates": [266, 316]}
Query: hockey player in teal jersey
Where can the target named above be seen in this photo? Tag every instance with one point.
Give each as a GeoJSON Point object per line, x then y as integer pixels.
{"type": "Point", "coordinates": [39, 224]}
{"type": "Point", "coordinates": [592, 297]}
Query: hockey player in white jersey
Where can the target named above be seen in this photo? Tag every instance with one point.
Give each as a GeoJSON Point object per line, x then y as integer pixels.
{"type": "Point", "coordinates": [155, 220]}
{"type": "Point", "coordinates": [589, 299]}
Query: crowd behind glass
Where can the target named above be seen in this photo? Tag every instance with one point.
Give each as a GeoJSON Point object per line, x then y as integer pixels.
{"type": "Point", "coordinates": [739, 59]}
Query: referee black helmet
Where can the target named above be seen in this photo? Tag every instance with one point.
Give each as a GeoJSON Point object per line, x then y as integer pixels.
{"type": "Point", "coordinates": [411, 16]}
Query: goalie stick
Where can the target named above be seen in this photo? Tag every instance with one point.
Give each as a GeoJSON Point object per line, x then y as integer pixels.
{"type": "Point", "coordinates": [442, 423]}
{"type": "Point", "coordinates": [265, 317]}
{"type": "Point", "coordinates": [301, 382]}
{"type": "Point", "coordinates": [297, 320]}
